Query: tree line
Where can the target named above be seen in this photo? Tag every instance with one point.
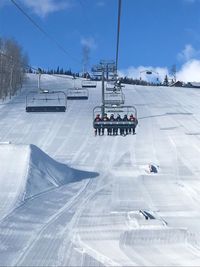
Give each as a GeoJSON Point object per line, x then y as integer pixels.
{"type": "Point", "coordinates": [58, 70]}
{"type": "Point", "coordinates": [12, 67]}
{"type": "Point", "coordinates": [165, 82]}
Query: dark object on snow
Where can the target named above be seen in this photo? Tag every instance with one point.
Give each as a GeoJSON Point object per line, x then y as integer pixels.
{"type": "Point", "coordinates": [147, 215]}
{"type": "Point", "coordinates": [177, 84]}
{"type": "Point", "coordinates": [153, 168]}
{"type": "Point", "coordinates": [193, 85]}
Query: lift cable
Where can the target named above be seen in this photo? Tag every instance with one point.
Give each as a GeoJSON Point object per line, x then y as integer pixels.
{"type": "Point", "coordinates": [43, 31]}
{"type": "Point", "coordinates": [118, 32]}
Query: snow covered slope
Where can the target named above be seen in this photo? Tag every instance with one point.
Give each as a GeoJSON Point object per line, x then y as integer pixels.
{"type": "Point", "coordinates": [113, 212]}
{"type": "Point", "coordinates": [27, 171]}
{"type": "Point", "coordinates": [14, 170]}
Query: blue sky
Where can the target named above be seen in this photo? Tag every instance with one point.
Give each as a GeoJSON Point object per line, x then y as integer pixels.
{"type": "Point", "coordinates": [155, 34]}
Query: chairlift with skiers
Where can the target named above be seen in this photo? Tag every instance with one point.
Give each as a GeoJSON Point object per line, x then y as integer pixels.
{"type": "Point", "coordinates": [116, 119]}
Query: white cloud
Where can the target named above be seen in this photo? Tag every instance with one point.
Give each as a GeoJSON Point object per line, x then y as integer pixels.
{"type": "Point", "coordinates": [188, 53]}
{"type": "Point", "coordinates": [137, 72]}
{"type": "Point", "coordinates": [44, 7]}
{"type": "Point", "coordinates": [190, 71]}
{"type": "Point", "coordinates": [89, 42]}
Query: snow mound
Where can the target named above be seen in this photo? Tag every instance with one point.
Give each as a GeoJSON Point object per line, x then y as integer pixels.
{"type": "Point", "coordinates": [27, 171]}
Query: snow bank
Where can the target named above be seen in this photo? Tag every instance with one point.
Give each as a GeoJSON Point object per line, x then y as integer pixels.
{"type": "Point", "coordinates": [27, 171]}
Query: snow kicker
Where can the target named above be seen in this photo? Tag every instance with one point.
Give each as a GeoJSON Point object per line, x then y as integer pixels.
{"type": "Point", "coordinates": [27, 171]}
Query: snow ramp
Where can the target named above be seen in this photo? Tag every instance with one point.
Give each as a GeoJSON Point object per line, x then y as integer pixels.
{"type": "Point", "coordinates": [26, 171]}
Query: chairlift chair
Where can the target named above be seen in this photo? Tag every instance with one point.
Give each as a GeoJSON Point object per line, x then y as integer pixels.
{"type": "Point", "coordinates": [113, 86]}
{"type": "Point", "coordinates": [114, 98]}
{"type": "Point", "coordinates": [89, 84]}
{"type": "Point", "coordinates": [77, 93]}
{"type": "Point", "coordinates": [115, 110]}
{"type": "Point", "coordinates": [46, 101]}
{"type": "Point", "coordinates": [110, 86]}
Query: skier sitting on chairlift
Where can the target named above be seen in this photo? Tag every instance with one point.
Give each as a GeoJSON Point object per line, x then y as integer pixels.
{"type": "Point", "coordinates": [97, 119]}
{"type": "Point", "coordinates": [120, 129]}
{"type": "Point", "coordinates": [125, 130]}
{"type": "Point", "coordinates": [105, 118]}
{"type": "Point", "coordinates": [111, 129]}
{"type": "Point", "coordinates": [132, 119]}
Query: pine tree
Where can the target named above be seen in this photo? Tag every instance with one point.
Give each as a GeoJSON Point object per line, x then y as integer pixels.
{"type": "Point", "coordinates": [58, 70]}
{"type": "Point", "coordinates": [166, 81]}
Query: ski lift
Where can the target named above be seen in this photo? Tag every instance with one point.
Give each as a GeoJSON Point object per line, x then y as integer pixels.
{"type": "Point", "coordinates": [129, 111]}
{"type": "Point", "coordinates": [110, 86]}
{"type": "Point", "coordinates": [89, 84]}
{"type": "Point", "coordinates": [114, 86]}
{"type": "Point", "coordinates": [114, 98]}
{"type": "Point", "coordinates": [46, 101]}
{"type": "Point", "coordinates": [77, 93]}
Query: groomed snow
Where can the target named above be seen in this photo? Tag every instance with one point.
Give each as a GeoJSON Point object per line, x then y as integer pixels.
{"type": "Point", "coordinates": [68, 198]}
{"type": "Point", "coordinates": [34, 173]}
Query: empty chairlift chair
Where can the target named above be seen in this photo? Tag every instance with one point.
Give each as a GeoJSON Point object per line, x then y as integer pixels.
{"type": "Point", "coordinates": [46, 101]}
{"type": "Point", "coordinates": [114, 98]}
{"type": "Point", "coordinates": [77, 93]}
{"type": "Point", "coordinates": [89, 84]}
{"type": "Point", "coordinates": [125, 119]}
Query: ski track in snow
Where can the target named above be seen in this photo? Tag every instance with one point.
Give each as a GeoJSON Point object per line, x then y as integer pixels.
{"type": "Point", "coordinates": [98, 221]}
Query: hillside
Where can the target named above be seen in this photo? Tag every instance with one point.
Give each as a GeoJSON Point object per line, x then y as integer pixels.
{"type": "Point", "coordinates": [69, 198]}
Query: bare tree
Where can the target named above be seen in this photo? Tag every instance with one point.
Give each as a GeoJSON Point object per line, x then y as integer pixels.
{"type": "Point", "coordinates": [173, 72]}
{"type": "Point", "coordinates": [12, 65]}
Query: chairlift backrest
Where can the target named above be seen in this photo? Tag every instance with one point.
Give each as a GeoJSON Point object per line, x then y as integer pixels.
{"type": "Point", "coordinates": [114, 98]}
{"type": "Point", "coordinates": [77, 93]}
{"type": "Point", "coordinates": [115, 110]}
{"type": "Point", "coordinates": [89, 84]}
